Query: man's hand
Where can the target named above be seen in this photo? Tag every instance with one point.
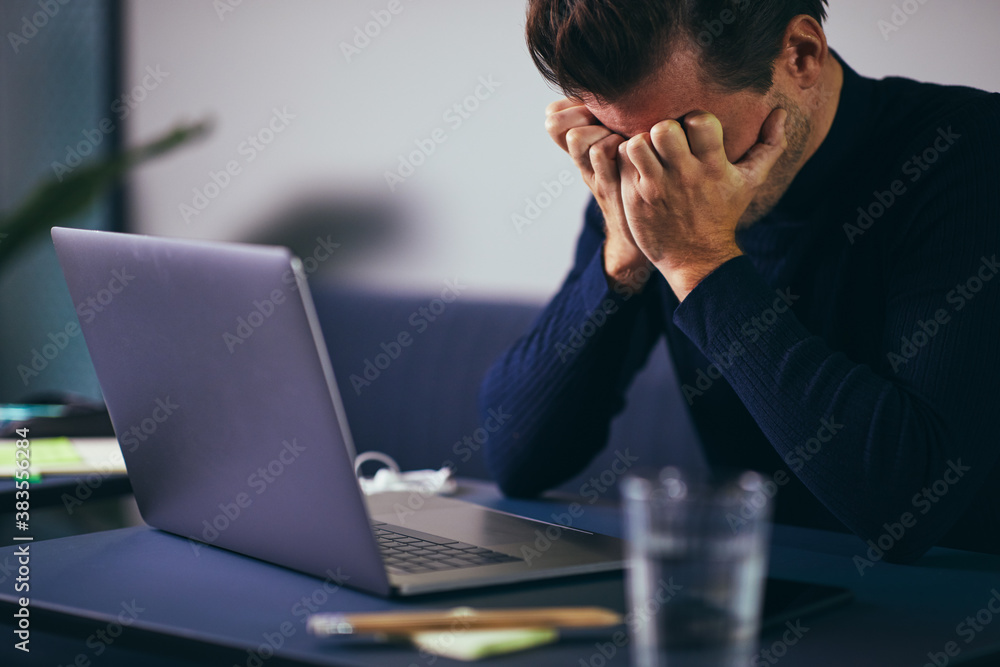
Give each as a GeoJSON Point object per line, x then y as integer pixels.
{"type": "Point", "coordinates": [594, 149]}
{"type": "Point", "coordinates": [683, 198]}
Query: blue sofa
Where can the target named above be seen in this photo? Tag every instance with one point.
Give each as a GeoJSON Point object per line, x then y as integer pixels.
{"type": "Point", "coordinates": [419, 400]}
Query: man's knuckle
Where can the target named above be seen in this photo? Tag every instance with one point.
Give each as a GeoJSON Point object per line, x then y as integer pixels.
{"type": "Point", "coordinates": [664, 128]}
{"type": "Point", "coordinates": [700, 119]}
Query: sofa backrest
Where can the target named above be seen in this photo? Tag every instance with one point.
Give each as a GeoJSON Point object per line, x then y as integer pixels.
{"type": "Point", "coordinates": [416, 402]}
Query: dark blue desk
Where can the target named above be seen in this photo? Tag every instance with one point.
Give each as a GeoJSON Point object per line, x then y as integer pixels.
{"type": "Point", "coordinates": [214, 605]}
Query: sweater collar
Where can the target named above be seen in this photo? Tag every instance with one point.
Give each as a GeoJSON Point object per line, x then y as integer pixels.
{"type": "Point", "coordinates": [825, 167]}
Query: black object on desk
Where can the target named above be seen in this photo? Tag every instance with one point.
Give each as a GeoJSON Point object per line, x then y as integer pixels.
{"type": "Point", "coordinates": [72, 421]}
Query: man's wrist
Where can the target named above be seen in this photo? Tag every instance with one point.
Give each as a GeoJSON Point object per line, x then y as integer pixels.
{"type": "Point", "coordinates": [625, 268]}
{"type": "Point", "coordinates": [683, 280]}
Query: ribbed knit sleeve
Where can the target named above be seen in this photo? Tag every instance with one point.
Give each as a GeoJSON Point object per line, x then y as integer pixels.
{"type": "Point", "coordinates": [896, 451]}
{"type": "Point", "coordinates": [564, 380]}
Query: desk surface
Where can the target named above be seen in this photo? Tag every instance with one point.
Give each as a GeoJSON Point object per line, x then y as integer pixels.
{"type": "Point", "coordinates": [216, 604]}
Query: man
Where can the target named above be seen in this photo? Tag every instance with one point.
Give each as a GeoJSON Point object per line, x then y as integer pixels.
{"type": "Point", "coordinates": [823, 244]}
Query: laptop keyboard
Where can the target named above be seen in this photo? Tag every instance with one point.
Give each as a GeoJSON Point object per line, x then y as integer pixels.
{"type": "Point", "coordinates": [407, 551]}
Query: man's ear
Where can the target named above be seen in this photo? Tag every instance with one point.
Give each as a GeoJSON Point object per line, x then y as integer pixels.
{"type": "Point", "coordinates": [804, 52]}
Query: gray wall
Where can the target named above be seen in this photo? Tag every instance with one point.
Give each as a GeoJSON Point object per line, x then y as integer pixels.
{"type": "Point", "coordinates": [324, 172]}
{"type": "Point", "coordinates": [352, 120]}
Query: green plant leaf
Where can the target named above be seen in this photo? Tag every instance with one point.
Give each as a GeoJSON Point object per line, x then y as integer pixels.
{"type": "Point", "coordinates": [60, 199]}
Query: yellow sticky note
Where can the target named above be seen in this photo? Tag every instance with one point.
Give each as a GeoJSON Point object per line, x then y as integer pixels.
{"type": "Point", "coordinates": [65, 456]}
{"type": "Point", "coordinates": [469, 645]}
{"type": "Point", "coordinates": [44, 452]}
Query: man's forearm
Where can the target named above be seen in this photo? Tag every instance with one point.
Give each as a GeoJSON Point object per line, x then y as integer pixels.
{"type": "Point", "coordinates": [885, 440]}
{"type": "Point", "coordinates": [562, 382]}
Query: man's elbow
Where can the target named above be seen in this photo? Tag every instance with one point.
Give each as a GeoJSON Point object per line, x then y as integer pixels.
{"type": "Point", "coordinates": [907, 556]}
{"type": "Point", "coordinates": [893, 543]}
{"type": "Point", "coordinates": [513, 480]}
{"type": "Point", "coordinates": [517, 487]}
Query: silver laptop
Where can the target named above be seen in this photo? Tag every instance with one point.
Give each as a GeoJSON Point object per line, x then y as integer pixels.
{"type": "Point", "coordinates": [218, 383]}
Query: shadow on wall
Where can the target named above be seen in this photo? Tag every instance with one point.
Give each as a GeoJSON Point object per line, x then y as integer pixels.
{"type": "Point", "coordinates": [352, 229]}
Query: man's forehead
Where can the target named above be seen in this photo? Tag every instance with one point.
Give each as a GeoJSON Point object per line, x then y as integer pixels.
{"type": "Point", "coordinates": [672, 92]}
{"type": "Point", "coordinates": [637, 114]}
{"type": "Point", "coordinates": [629, 120]}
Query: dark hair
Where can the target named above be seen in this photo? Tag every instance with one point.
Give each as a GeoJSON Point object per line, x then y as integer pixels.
{"type": "Point", "coordinates": [605, 48]}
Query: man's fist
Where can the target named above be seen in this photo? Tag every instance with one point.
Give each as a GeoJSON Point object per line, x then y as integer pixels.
{"type": "Point", "coordinates": [594, 149]}
{"type": "Point", "coordinates": [683, 198]}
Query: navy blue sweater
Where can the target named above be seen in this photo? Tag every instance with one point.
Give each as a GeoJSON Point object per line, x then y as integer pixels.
{"type": "Point", "coordinates": [855, 344]}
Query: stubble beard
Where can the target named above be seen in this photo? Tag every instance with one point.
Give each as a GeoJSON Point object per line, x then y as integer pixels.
{"type": "Point", "coordinates": [798, 130]}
